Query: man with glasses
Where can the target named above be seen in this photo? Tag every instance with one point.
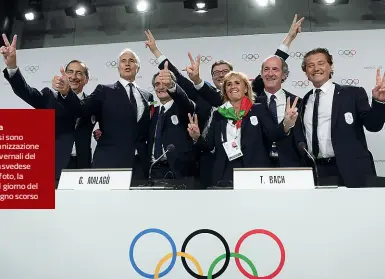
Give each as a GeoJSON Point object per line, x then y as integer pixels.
{"type": "Point", "coordinates": [72, 134]}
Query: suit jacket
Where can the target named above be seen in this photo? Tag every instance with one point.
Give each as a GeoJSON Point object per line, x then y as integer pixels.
{"type": "Point", "coordinates": [122, 133]}
{"type": "Point", "coordinates": [287, 148]}
{"type": "Point", "coordinates": [174, 131]}
{"type": "Point", "coordinates": [255, 153]}
{"type": "Point", "coordinates": [354, 160]}
{"type": "Point", "coordinates": [65, 122]}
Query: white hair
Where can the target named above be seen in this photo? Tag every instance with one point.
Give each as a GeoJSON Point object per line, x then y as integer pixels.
{"type": "Point", "coordinates": [133, 53]}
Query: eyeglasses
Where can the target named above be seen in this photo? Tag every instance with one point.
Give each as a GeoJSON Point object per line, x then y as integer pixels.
{"type": "Point", "coordinates": [218, 73]}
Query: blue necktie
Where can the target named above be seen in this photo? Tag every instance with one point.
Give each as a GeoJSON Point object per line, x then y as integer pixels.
{"type": "Point", "coordinates": [273, 108]}
{"type": "Point", "coordinates": [158, 149]}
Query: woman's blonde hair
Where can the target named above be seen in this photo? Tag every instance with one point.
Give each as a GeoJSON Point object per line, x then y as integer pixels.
{"type": "Point", "coordinates": [244, 78]}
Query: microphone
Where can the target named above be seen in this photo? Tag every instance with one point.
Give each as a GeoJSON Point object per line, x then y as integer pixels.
{"type": "Point", "coordinates": [302, 147]}
{"type": "Point", "coordinates": [170, 148]}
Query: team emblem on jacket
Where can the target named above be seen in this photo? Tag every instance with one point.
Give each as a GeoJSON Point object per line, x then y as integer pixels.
{"type": "Point", "coordinates": [174, 119]}
{"type": "Point", "coordinates": [254, 120]}
{"type": "Point", "coordinates": [349, 118]}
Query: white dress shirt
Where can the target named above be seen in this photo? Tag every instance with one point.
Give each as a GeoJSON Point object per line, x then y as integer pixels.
{"type": "Point", "coordinates": [166, 106]}
{"type": "Point", "coordinates": [280, 101]}
{"type": "Point", "coordinates": [324, 120]}
{"type": "Point", "coordinates": [81, 97]}
{"type": "Point", "coordinates": [137, 95]}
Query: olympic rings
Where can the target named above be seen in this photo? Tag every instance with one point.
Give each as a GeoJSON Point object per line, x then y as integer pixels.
{"type": "Point", "coordinates": [233, 255]}
{"type": "Point", "coordinates": [173, 247]}
{"type": "Point", "coordinates": [227, 255]}
{"type": "Point", "coordinates": [221, 238]}
{"type": "Point", "coordinates": [249, 57]}
{"type": "Point", "coordinates": [179, 254]}
{"type": "Point", "coordinates": [32, 69]}
{"type": "Point", "coordinates": [350, 81]}
{"type": "Point", "coordinates": [112, 64]}
{"type": "Point", "coordinates": [206, 59]}
{"type": "Point", "coordinates": [347, 52]}
{"type": "Point", "coordinates": [281, 248]}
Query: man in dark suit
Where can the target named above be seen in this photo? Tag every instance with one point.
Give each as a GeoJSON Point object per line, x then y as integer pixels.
{"type": "Point", "coordinates": [72, 134]}
{"type": "Point", "coordinates": [283, 153]}
{"type": "Point", "coordinates": [123, 111]}
{"type": "Point", "coordinates": [333, 119]}
{"type": "Point", "coordinates": [168, 126]}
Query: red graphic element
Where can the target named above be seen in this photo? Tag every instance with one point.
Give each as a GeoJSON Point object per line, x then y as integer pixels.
{"type": "Point", "coordinates": [27, 159]}
{"type": "Point", "coordinates": [281, 248]}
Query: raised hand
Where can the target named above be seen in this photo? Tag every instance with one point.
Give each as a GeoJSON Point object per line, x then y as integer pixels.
{"type": "Point", "coordinates": [193, 69]}
{"type": "Point", "coordinates": [9, 52]}
{"type": "Point", "coordinates": [165, 77]}
{"type": "Point", "coordinates": [378, 91]}
{"type": "Point", "coordinates": [291, 114]}
{"type": "Point", "coordinates": [295, 28]}
{"type": "Point", "coordinates": [193, 128]}
{"type": "Point", "coordinates": [151, 44]}
{"type": "Point", "coordinates": [61, 83]}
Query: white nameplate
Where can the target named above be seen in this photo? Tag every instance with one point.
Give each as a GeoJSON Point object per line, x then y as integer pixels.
{"type": "Point", "coordinates": [273, 178]}
{"type": "Point", "coordinates": [95, 179]}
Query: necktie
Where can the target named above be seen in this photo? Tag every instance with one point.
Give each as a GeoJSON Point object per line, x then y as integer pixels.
{"type": "Point", "coordinates": [273, 108]}
{"type": "Point", "coordinates": [273, 111]}
{"type": "Point", "coordinates": [133, 101]}
{"type": "Point", "coordinates": [158, 135]}
{"type": "Point", "coordinates": [315, 144]}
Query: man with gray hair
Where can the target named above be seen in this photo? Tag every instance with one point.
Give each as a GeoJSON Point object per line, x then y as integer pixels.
{"type": "Point", "coordinates": [123, 111]}
{"type": "Point", "coordinates": [274, 71]}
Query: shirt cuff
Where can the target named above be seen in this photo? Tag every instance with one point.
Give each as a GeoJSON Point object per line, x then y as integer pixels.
{"type": "Point", "coordinates": [11, 72]}
{"type": "Point", "coordinates": [160, 59]}
{"type": "Point", "coordinates": [200, 85]}
{"type": "Point", "coordinates": [172, 89]}
{"type": "Point", "coordinates": [283, 48]}
{"type": "Point", "coordinates": [378, 101]}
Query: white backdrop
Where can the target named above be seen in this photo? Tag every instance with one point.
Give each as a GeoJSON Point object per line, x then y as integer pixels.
{"type": "Point", "coordinates": [335, 234]}
{"type": "Point", "coordinates": [356, 54]}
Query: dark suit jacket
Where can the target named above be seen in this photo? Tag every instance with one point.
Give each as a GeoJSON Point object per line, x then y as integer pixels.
{"type": "Point", "coordinates": [65, 120]}
{"type": "Point", "coordinates": [287, 148]}
{"type": "Point", "coordinates": [174, 131]}
{"type": "Point", "coordinates": [354, 160]}
{"type": "Point", "coordinates": [122, 134]}
{"type": "Point", "coordinates": [255, 153]}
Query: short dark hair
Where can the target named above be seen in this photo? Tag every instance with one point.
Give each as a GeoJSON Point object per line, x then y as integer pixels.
{"type": "Point", "coordinates": [221, 62]}
{"type": "Point", "coordinates": [157, 74]}
{"type": "Point", "coordinates": [86, 71]}
{"type": "Point", "coordinates": [324, 51]}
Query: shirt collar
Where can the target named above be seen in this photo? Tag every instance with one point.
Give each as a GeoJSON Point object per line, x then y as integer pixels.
{"type": "Point", "coordinates": [81, 95]}
{"type": "Point", "coordinates": [166, 106]}
{"type": "Point", "coordinates": [125, 82]}
{"type": "Point", "coordinates": [325, 87]}
{"type": "Point", "coordinates": [280, 94]}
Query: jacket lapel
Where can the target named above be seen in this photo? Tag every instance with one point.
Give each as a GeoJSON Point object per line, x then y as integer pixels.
{"type": "Point", "coordinates": [302, 110]}
{"type": "Point", "coordinates": [337, 99]}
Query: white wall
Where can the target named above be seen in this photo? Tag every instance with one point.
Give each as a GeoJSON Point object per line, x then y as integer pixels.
{"type": "Point", "coordinates": [368, 46]}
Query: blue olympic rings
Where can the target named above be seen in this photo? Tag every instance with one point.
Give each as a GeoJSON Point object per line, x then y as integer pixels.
{"type": "Point", "coordinates": [173, 247]}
